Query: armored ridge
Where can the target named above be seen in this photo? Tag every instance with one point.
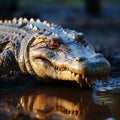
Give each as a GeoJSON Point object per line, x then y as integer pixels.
{"type": "Point", "coordinates": [48, 51]}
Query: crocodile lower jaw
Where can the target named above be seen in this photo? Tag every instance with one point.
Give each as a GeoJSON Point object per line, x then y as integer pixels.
{"type": "Point", "coordinates": [81, 78]}
{"type": "Point", "coordinates": [54, 71]}
{"type": "Point", "coordinates": [65, 73]}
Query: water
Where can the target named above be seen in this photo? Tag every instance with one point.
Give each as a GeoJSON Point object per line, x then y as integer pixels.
{"type": "Point", "coordinates": [69, 102]}
{"type": "Point", "coordinates": [62, 101]}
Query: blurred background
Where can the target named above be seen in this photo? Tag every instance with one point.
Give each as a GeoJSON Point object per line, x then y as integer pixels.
{"type": "Point", "coordinates": [99, 20]}
{"type": "Point", "coordinates": [71, 11]}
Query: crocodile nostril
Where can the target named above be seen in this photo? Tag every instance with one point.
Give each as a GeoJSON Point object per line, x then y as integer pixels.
{"type": "Point", "coordinates": [79, 59]}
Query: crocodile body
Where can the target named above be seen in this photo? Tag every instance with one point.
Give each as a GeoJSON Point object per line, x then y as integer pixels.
{"type": "Point", "coordinates": [48, 51]}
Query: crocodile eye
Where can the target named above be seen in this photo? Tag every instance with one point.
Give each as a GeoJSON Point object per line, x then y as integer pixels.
{"type": "Point", "coordinates": [82, 40]}
{"type": "Point", "coordinates": [53, 44]}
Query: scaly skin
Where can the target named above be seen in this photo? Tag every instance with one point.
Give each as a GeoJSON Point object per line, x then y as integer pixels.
{"type": "Point", "coordinates": [48, 51]}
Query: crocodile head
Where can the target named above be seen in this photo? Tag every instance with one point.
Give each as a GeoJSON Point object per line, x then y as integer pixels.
{"type": "Point", "coordinates": [63, 55]}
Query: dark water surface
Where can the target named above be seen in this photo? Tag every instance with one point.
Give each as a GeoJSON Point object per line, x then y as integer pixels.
{"type": "Point", "coordinates": [61, 101]}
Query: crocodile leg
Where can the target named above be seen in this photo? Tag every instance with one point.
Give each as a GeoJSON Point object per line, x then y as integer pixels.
{"type": "Point", "coordinates": [7, 62]}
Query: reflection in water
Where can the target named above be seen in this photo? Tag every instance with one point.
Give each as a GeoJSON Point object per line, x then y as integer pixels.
{"type": "Point", "coordinates": [54, 103]}
{"type": "Point", "coordinates": [111, 99]}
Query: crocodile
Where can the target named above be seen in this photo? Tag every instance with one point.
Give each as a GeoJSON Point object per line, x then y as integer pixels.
{"type": "Point", "coordinates": [49, 52]}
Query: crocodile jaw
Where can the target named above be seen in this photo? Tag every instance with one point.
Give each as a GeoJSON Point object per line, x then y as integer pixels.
{"type": "Point", "coordinates": [73, 66]}
{"type": "Point", "coordinates": [85, 71]}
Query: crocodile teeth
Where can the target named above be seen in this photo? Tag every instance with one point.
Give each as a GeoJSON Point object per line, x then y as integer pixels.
{"type": "Point", "coordinates": [83, 77]}
{"type": "Point", "coordinates": [81, 83]}
{"type": "Point", "coordinates": [56, 67]}
{"type": "Point", "coordinates": [86, 79]}
{"type": "Point", "coordinates": [89, 83]}
{"type": "Point", "coordinates": [73, 73]}
{"type": "Point", "coordinates": [64, 110]}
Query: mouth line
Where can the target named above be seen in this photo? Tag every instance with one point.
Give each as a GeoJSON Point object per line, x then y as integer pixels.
{"type": "Point", "coordinates": [66, 111]}
{"type": "Point", "coordinates": [62, 109]}
{"type": "Point", "coordinates": [81, 77]}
